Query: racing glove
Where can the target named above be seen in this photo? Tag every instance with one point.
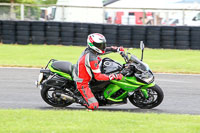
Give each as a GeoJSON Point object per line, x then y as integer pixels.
{"type": "Point", "coordinates": [115, 76]}
{"type": "Point", "coordinates": [117, 49]}
{"type": "Point", "coordinates": [120, 49]}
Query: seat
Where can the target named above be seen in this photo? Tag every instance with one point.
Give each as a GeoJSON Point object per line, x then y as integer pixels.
{"type": "Point", "coordinates": [63, 66]}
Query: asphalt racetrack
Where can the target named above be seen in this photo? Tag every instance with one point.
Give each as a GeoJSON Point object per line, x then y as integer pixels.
{"type": "Point", "coordinates": [18, 90]}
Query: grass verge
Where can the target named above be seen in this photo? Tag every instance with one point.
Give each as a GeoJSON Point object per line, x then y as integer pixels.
{"type": "Point", "coordinates": [159, 60]}
{"type": "Point", "coordinates": [62, 121]}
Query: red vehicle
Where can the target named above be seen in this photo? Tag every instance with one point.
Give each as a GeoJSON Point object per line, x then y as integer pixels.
{"type": "Point", "coordinates": [137, 16]}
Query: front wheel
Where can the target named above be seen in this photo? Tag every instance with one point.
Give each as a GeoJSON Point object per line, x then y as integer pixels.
{"type": "Point", "coordinates": [155, 98]}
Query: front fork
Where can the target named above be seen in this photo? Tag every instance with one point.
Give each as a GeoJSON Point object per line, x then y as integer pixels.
{"type": "Point", "coordinates": [144, 89]}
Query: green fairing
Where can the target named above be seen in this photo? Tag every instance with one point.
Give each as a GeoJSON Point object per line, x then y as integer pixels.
{"type": "Point", "coordinates": [59, 72]}
{"type": "Point", "coordinates": [110, 90]}
{"type": "Point", "coordinates": [129, 84]}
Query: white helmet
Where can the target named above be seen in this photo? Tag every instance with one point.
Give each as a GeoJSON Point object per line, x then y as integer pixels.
{"type": "Point", "coordinates": [97, 42]}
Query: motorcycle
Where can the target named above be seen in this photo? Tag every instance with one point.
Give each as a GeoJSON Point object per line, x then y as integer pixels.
{"type": "Point", "coordinates": [59, 90]}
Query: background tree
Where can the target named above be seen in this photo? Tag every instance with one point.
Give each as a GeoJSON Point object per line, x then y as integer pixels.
{"type": "Point", "coordinates": [30, 1]}
{"type": "Point", "coordinates": [30, 12]}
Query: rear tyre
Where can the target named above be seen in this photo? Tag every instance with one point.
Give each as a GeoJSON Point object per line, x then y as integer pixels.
{"type": "Point", "coordinates": [155, 98]}
{"type": "Point", "coordinates": [48, 95]}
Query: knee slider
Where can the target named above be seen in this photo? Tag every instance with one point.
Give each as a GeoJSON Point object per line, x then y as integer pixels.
{"type": "Point", "coordinates": [94, 106]}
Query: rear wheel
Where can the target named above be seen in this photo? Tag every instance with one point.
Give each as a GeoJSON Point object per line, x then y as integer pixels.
{"type": "Point", "coordinates": [155, 98]}
{"type": "Point", "coordinates": [48, 94]}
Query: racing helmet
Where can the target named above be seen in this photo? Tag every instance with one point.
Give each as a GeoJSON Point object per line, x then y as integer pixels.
{"type": "Point", "coordinates": [97, 42]}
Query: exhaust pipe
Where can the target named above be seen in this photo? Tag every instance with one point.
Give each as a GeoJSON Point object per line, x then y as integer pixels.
{"type": "Point", "coordinates": [67, 98]}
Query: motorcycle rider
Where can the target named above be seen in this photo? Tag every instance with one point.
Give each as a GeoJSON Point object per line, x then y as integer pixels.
{"type": "Point", "coordinates": [87, 67]}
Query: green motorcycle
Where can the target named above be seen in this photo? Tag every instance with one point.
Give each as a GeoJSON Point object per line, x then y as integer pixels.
{"type": "Point", "coordinates": [58, 88]}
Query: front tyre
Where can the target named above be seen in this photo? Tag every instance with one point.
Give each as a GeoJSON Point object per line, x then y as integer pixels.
{"type": "Point", "coordinates": [48, 94]}
{"type": "Point", "coordinates": [155, 98]}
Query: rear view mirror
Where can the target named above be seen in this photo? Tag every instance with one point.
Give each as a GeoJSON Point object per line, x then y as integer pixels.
{"type": "Point", "coordinates": [141, 45]}
{"type": "Point", "coordinates": [142, 48]}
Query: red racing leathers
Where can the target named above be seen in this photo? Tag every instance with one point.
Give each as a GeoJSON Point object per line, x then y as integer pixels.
{"type": "Point", "coordinates": [87, 67]}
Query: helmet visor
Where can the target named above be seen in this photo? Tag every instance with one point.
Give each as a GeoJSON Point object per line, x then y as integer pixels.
{"type": "Point", "coordinates": [101, 46]}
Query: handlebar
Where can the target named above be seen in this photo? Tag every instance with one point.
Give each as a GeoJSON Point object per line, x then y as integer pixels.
{"type": "Point", "coordinates": [122, 53]}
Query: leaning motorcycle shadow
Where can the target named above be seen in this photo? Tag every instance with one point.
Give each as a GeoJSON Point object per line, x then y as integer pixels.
{"type": "Point", "coordinates": [132, 110]}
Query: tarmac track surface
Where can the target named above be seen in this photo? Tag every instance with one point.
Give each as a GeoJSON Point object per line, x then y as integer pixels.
{"type": "Point", "coordinates": [182, 93]}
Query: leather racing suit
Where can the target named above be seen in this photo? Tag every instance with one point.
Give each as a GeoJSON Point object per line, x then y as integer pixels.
{"type": "Point", "coordinates": [87, 67]}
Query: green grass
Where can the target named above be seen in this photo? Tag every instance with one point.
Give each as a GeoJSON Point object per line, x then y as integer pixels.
{"type": "Point", "coordinates": [159, 60]}
{"type": "Point", "coordinates": [66, 121]}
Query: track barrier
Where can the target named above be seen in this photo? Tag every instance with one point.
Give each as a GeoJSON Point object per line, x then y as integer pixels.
{"type": "Point", "coordinates": [68, 33]}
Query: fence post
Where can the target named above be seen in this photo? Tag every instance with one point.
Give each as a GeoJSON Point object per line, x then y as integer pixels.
{"type": "Point", "coordinates": [103, 14]}
{"type": "Point", "coordinates": [63, 13]}
{"type": "Point", "coordinates": [155, 21]}
{"type": "Point", "coordinates": [167, 18]}
{"type": "Point", "coordinates": [144, 17]}
{"type": "Point", "coordinates": [22, 11]}
{"type": "Point", "coordinates": [12, 15]}
{"type": "Point", "coordinates": [183, 19]}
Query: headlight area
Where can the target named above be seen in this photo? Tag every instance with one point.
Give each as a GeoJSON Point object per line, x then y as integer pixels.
{"type": "Point", "coordinates": [149, 80]}
{"type": "Point", "coordinates": [146, 77]}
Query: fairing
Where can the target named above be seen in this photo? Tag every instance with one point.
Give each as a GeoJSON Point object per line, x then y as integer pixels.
{"type": "Point", "coordinates": [129, 84]}
{"type": "Point", "coordinates": [109, 66]}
